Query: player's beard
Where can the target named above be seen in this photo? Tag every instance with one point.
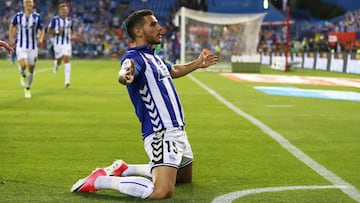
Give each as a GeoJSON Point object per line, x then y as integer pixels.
{"type": "Point", "coordinates": [151, 39]}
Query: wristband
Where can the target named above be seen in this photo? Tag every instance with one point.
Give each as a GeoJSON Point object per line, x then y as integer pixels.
{"type": "Point", "coordinates": [124, 67]}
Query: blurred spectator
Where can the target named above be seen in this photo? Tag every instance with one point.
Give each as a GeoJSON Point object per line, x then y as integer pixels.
{"type": "Point", "coordinates": [322, 44]}
{"type": "Point", "coordinates": [101, 32]}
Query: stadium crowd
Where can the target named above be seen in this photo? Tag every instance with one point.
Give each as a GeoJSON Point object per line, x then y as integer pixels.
{"type": "Point", "coordinates": [312, 37]}
{"type": "Point", "coordinates": [94, 22]}
{"type": "Point", "coordinates": [98, 24]}
{"type": "Point", "coordinates": [101, 32]}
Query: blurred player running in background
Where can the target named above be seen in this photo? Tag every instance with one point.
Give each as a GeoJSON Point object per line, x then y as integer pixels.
{"type": "Point", "coordinates": [62, 27]}
{"type": "Point", "coordinates": [26, 24]}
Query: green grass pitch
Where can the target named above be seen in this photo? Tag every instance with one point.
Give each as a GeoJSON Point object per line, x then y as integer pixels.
{"type": "Point", "coordinates": [60, 135]}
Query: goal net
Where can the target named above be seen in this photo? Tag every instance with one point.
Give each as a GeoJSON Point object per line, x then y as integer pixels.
{"type": "Point", "coordinates": [227, 35]}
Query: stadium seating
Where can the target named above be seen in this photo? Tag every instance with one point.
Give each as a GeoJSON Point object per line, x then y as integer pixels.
{"type": "Point", "coordinates": [99, 20]}
{"type": "Point", "coordinates": [162, 8]}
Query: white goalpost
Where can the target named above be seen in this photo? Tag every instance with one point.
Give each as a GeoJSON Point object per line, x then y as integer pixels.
{"type": "Point", "coordinates": [227, 35]}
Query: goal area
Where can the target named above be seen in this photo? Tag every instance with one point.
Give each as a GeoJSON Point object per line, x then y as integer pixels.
{"type": "Point", "coordinates": [227, 35]}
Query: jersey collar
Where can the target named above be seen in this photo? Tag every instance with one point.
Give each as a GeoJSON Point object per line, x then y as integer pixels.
{"type": "Point", "coordinates": [144, 48]}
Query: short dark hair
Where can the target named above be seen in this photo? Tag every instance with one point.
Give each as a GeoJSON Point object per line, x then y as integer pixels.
{"type": "Point", "coordinates": [136, 18]}
{"type": "Point", "coordinates": [62, 3]}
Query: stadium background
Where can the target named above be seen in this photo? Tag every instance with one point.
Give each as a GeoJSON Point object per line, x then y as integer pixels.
{"type": "Point", "coordinates": [101, 30]}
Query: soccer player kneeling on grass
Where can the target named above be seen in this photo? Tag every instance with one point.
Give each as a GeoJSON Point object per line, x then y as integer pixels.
{"type": "Point", "coordinates": [149, 83]}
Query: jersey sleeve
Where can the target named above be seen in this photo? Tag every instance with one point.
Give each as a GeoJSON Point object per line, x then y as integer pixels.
{"type": "Point", "coordinates": [168, 65]}
{"type": "Point", "coordinates": [52, 24]}
{"type": "Point", "coordinates": [14, 20]}
{"type": "Point", "coordinates": [40, 24]}
{"type": "Point", "coordinates": [72, 27]}
{"type": "Point", "coordinates": [138, 63]}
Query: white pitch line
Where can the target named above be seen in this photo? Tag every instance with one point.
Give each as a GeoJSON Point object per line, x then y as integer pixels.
{"type": "Point", "coordinates": [227, 198]}
{"type": "Point", "coordinates": [350, 190]}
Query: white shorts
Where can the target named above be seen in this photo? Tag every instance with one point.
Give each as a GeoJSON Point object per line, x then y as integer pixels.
{"type": "Point", "coordinates": [169, 147]}
{"type": "Point", "coordinates": [61, 50]}
{"type": "Point", "coordinates": [29, 54]}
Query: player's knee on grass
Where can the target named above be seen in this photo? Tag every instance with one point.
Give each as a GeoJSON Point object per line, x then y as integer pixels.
{"type": "Point", "coordinates": [162, 192]}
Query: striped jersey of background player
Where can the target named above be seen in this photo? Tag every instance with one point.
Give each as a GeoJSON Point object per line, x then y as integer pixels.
{"type": "Point", "coordinates": [27, 24]}
{"type": "Point", "coordinates": [62, 29]}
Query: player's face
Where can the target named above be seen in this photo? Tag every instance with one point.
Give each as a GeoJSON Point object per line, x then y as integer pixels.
{"type": "Point", "coordinates": [152, 30]}
{"type": "Point", "coordinates": [28, 5]}
{"type": "Point", "coordinates": [63, 10]}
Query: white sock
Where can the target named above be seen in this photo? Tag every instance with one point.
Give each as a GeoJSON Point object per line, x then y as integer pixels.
{"type": "Point", "coordinates": [29, 80]}
{"type": "Point", "coordinates": [133, 186]}
{"type": "Point", "coordinates": [22, 71]}
{"type": "Point", "coordinates": [67, 72]}
{"type": "Point", "coordinates": [137, 170]}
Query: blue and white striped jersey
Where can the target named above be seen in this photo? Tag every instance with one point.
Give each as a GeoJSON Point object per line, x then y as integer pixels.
{"type": "Point", "coordinates": [152, 92]}
{"type": "Point", "coordinates": [27, 29]}
{"type": "Point", "coordinates": [66, 24]}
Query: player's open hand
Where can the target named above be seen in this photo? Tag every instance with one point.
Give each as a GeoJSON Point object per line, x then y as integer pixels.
{"type": "Point", "coordinates": [6, 46]}
{"type": "Point", "coordinates": [129, 76]}
{"type": "Point", "coordinates": [207, 59]}
{"type": "Point", "coordinates": [127, 71]}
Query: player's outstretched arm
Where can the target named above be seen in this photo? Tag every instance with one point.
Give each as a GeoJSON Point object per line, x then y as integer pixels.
{"type": "Point", "coordinates": [127, 71]}
{"type": "Point", "coordinates": [204, 60]}
{"type": "Point", "coordinates": [6, 46]}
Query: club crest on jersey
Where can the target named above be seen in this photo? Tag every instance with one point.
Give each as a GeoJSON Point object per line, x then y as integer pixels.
{"type": "Point", "coordinates": [161, 68]}
{"type": "Point", "coordinates": [163, 72]}
{"type": "Point", "coordinates": [28, 26]}
{"type": "Point", "coordinates": [67, 24]}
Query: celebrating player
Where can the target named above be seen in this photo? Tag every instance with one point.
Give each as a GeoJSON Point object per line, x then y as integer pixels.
{"type": "Point", "coordinates": [62, 28]}
{"type": "Point", "coordinates": [26, 24]}
{"type": "Point", "coordinates": [149, 82]}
